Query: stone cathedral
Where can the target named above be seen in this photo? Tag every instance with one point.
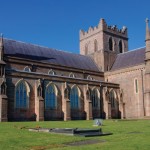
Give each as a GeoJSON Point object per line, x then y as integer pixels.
{"type": "Point", "coordinates": [104, 81]}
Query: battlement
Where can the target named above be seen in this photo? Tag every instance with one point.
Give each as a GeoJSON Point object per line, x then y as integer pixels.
{"type": "Point", "coordinates": [103, 27]}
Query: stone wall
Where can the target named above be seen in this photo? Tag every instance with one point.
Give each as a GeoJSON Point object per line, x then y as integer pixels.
{"type": "Point", "coordinates": [126, 78]}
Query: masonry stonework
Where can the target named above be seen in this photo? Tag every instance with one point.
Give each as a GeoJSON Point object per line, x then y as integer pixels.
{"type": "Point", "coordinates": [104, 81]}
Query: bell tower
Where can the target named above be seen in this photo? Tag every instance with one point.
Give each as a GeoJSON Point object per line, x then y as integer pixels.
{"type": "Point", "coordinates": [103, 43]}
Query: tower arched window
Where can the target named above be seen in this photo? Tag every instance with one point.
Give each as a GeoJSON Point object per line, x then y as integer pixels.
{"type": "Point", "coordinates": [74, 97]}
{"type": "Point", "coordinates": [21, 95]}
{"type": "Point", "coordinates": [94, 98]}
{"type": "Point", "coordinates": [86, 49]}
{"type": "Point", "coordinates": [50, 97]}
{"type": "Point", "coordinates": [110, 44]}
{"type": "Point", "coordinates": [120, 47]}
{"type": "Point", "coordinates": [95, 46]}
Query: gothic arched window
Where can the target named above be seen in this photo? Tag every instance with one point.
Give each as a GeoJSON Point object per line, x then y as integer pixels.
{"type": "Point", "coordinates": [110, 44]}
{"type": "Point", "coordinates": [94, 98]}
{"type": "Point", "coordinates": [112, 99]}
{"type": "Point", "coordinates": [50, 97]}
{"type": "Point", "coordinates": [74, 97]}
{"type": "Point", "coordinates": [120, 47]}
{"type": "Point", "coordinates": [95, 46]}
{"type": "Point", "coordinates": [21, 95]}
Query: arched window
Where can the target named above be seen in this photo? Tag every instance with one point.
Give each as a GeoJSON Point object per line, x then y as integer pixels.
{"type": "Point", "coordinates": [74, 97]}
{"type": "Point", "coordinates": [120, 47]}
{"type": "Point", "coordinates": [95, 46]}
{"type": "Point", "coordinates": [112, 99]}
{"type": "Point", "coordinates": [94, 98]}
{"type": "Point", "coordinates": [86, 49]}
{"type": "Point", "coordinates": [50, 97]}
{"type": "Point", "coordinates": [51, 72]}
{"type": "Point", "coordinates": [136, 85]}
{"type": "Point", "coordinates": [21, 95]}
{"type": "Point", "coordinates": [71, 75]}
{"type": "Point", "coordinates": [110, 44]}
{"type": "Point", "coordinates": [89, 77]}
{"type": "Point", "coordinates": [27, 69]}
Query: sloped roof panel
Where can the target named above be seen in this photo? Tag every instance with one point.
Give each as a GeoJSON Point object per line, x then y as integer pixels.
{"type": "Point", "coordinates": [128, 59]}
{"type": "Point", "coordinates": [44, 54]}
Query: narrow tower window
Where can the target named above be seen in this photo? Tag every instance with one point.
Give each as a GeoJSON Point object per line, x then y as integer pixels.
{"type": "Point", "coordinates": [136, 85]}
{"type": "Point", "coordinates": [86, 49]}
{"type": "Point", "coordinates": [120, 47]}
{"type": "Point", "coordinates": [110, 44]}
{"type": "Point", "coordinates": [95, 46]}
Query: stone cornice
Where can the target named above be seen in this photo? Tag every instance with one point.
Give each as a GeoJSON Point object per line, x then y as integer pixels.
{"type": "Point", "coordinates": [50, 65]}
{"type": "Point", "coordinates": [35, 76]}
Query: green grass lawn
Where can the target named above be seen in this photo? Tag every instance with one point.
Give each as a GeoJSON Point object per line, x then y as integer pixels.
{"type": "Point", "coordinates": [127, 135]}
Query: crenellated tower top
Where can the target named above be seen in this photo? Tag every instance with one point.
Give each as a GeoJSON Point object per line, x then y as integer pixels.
{"type": "Point", "coordinates": [102, 26]}
{"type": "Point", "coordinates": [103, 43]}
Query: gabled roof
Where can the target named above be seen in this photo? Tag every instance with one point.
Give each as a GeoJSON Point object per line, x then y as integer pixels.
{"type": "Point", "coordinates": [44, 54]}
{"type": "Point", "coordinates": [128, 59]}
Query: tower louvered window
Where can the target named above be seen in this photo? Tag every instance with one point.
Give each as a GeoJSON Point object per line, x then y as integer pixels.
{"type": "Point", "coordinates": [110, 44]}
{"type": "Point", "coordinates": [120, 47]}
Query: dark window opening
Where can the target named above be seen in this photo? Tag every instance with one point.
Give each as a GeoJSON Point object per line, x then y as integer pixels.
{"type": "Point", "coordinates": [120, 47]}
{"type": "Point", "coordinates": [110, 44]}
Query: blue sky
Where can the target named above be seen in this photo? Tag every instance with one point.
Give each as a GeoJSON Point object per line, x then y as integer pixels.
{"type": "Point", "coordinates": [56, 23]}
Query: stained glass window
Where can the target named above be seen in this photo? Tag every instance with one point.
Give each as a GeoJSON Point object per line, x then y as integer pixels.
{"type": "Point", "coordinates": [74, 97]}
{"type": "Point", "coordinates": [21, 95]}
{"type": "Point", "coordinates": [50, 97]}
{"type": "Point", "coordinates": [112, 99]}
{"type": "Point", "coordinates": [94, 98]}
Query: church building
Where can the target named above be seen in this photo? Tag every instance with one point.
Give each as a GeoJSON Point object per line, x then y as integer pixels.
{"type": "Point", "coordinates": [104, 81]}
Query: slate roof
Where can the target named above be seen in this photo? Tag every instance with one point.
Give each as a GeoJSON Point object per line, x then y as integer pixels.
{"type": "Point", "coordinates": [44, 54]}
{"type": "Point", "coordinates": [128, 59]}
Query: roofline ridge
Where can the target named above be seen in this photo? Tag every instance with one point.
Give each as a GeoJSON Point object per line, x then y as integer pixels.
{"type": "Point", "coordinates": [132, 50]}
{"type": "Point", "coordinates": [45, 47]}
